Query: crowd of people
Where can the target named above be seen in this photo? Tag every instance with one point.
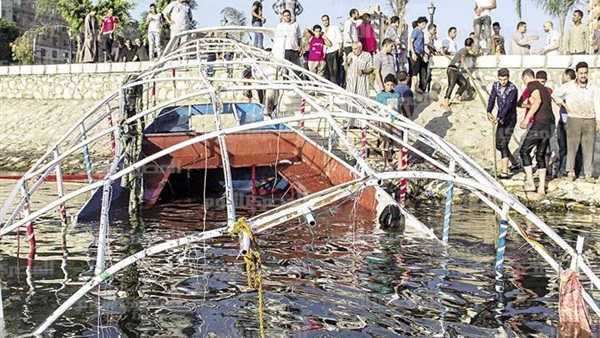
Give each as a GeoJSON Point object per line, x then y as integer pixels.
{"type": "Point", "coordinates": [400, 65]}
{"type": "Point", "coordinates": [100, 44]}
{"type": "Point", "coordinates": [397, 67]}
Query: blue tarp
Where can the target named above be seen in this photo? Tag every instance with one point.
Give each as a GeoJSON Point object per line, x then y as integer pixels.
{"type": "Point", "coordinates": [177, 119]}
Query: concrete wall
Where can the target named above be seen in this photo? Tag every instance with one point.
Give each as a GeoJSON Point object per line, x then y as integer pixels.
{"type": "Point", "coordinates": [95, 81]}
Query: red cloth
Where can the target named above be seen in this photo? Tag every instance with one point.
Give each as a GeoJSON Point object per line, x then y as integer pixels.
{"type": "Point", "coordinates": [366, 36]}
{"type": "Point", "coordinates": [573, 312]}
{"type": "Point", "coordinates": [108, 24]}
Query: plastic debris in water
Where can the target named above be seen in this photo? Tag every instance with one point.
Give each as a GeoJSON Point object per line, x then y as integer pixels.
{"type": "Point", "coordinates": [574, 316]}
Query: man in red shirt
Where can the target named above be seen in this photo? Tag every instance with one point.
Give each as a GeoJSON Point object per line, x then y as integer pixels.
{"type": "Point", "coordinates": [109, 23]}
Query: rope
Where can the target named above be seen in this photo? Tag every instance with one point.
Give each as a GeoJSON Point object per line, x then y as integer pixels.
{"type": "Point", "coordinates": [528, 239]}
{"type": "Point", "coordinates": [253, 266]}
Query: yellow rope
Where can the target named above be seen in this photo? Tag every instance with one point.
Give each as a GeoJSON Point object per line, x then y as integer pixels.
{"type": "Point", "coordinates": [253, 267]}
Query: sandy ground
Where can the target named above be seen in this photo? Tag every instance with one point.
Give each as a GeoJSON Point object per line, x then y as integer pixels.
{"type": "Point", "coordinates": [28, 128]}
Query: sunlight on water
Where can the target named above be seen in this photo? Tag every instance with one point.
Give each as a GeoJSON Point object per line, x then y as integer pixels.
{"type": "Point", "coordinates": [342, 277]}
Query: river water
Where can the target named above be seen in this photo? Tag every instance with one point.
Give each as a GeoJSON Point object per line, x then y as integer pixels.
{"type": "Point", "coordinates": [341, 278]}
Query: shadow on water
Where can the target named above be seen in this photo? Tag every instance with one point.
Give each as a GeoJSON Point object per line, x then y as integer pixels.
{"type": "Point", "coordinates": [341, 277]}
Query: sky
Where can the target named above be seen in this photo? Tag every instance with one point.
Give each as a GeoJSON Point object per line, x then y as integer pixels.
{"type": "Point", "coordinates": [458, 13]}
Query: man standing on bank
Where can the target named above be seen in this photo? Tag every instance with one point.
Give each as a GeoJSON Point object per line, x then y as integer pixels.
{"type": "Point", "coordinates": [289, 37]}
{"type": "Point", "coordinates": [258, 20]}
{"type": "Point", "coordinates": [538, 135]}
{"type": "Point", "coordinates": [334, 52]}
{"type": "Point", "coordinates": [455, 75]}
{"type": "Point", "coordinates": [505, 93]}
{"type": "Point", "coordinates": [582, 102]}
{"type": "Point", "coordinates": [482, 23]}
{"type": "Point", "coordinates": [578, 37]}
{"type": "Point", "coordinates": [109, 24]}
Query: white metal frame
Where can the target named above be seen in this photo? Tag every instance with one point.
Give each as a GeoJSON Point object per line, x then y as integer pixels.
{"type": "Point", "coordinates": [451, 163]}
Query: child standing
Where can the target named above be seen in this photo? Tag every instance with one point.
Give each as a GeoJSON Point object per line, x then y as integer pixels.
{"type": "Point", "coordinates": [316, 53]}
{"type": "Point", "coordinates": [389, 98]}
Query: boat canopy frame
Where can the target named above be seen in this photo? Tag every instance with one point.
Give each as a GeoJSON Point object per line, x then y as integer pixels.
{"type": "Point", "coordinates": [187, 72]}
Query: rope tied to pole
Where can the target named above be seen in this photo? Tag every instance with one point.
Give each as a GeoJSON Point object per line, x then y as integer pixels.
{"type": "Point", "coordinates": [253, 266]}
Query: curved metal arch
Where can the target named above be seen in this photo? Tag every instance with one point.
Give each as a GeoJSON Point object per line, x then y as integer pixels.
{"type": "Point", "coordinates": [188, 57]}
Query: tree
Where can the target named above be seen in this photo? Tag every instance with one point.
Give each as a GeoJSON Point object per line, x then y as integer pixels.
{"type": "Point", "coordinates": [234, 17]}
{"type": "Point", "coordinates": [398, 8]}
{"type": "Point", "coordinates": [8, 33]}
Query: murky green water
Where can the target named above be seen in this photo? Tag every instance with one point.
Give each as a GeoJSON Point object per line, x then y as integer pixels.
{"type": "Point", "coordinates": [341, 278]}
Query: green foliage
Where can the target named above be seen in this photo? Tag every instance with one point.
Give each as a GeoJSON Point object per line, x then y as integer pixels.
{"type": "Point", "coordinates": [8, 34]}
{"type": "Point", "coordinates": [22, 50]}
{"type": "Point", "coordinates": [518, 8]}
{"type": "Point", "coordinates": [121, 10]}
{"type": "Point", "coordinates": [72, 11]}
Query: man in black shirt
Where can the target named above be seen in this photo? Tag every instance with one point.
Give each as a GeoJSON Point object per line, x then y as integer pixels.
{"type": "Point", "coordinates": [129, 52]}
{"type": "Point", "coordinates": [142, 50]}
{"type": "Point", "coordinates": [257, 21]}
{"type": "Point", "coordinates": [538, 136]}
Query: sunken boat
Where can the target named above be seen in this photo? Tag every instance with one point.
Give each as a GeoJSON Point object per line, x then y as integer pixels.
{"type": "Point", "coordinates": [214, 116]}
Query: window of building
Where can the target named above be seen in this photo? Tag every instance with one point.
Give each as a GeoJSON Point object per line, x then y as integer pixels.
{"type": "Point", "coordinates": [43, 52]}
{"type": "Point", "coordinates": [54, 54]}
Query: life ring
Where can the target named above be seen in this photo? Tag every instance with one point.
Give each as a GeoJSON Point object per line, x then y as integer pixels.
{"type": "Point", "coordinates": [391, 217]}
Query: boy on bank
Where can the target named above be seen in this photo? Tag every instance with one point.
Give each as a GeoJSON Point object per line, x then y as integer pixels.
{"type": "Point", "coordinates": [316, 50]}
{"type": "Point", "coordinates": [504, 93]}
{"type": "Point", "coordinates": [388, 97]}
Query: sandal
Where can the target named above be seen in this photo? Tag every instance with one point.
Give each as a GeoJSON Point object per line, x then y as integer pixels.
{"type": "Point", "coordinates": [504, 176]}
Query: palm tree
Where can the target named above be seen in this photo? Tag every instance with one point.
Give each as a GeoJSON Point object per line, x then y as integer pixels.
{"type": "Point", "coordinates": [559, 9]}
{"type": "Point", "coordinates": [234, 17]}
{"type": "Point", "coordinates": [398, 7]}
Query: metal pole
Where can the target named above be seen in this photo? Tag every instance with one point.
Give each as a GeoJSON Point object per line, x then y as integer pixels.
{"type": "Point", "coordinates": [86, 156]}
{"type": "Point", "coordinates": [404, 167]}
{"type": "Point", "coordinates": [448, 210]}
{"type": "Point", "coordinates": [502, 241]}
{"type": "Point", "coordinates": [302, 109]}
{"type": "Point", "coordinates": [104, 219]}
{"type": "Point", "coordinates": [30, 234]}
{"type": "Point", "coordinates": [363, 141]}
{"type": "Point", "coordinates": [61, 192]}
{"type": "Point", "coordinates": [113, 145]}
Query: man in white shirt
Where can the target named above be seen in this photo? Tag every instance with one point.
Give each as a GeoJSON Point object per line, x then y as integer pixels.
{"type": "Point", "coordinates": [482, 23]}
{"type": "Point", "coordinates": [153, 20]}
{"type": "Point", "coordinates": [333, 53]}
{"type": "Point", "coordinates": [449, 46]}
{"type": "Point", "coordinates": [288, 38]}
{"type": "Point", "coordinates": [552, 40]}
{"type": "Point", "coordinates": [582, 102]}
{"type": "Point", "coordinates": [350, 35]}
{"type": "Point", "coordinates": [178, 14]}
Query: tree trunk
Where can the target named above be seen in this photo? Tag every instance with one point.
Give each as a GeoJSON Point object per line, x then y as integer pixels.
{"type": "Point", "coordinates": [562, 44]}
{"type": "Point", "coordinates": [79, 55]}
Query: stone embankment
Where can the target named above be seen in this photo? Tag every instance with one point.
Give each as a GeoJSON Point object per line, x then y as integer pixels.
{"type": "Point", "coordinates": [38, 104]}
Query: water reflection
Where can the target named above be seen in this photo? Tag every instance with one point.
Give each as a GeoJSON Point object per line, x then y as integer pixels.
{"type": "Point", "coordinates": [342, 277]}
